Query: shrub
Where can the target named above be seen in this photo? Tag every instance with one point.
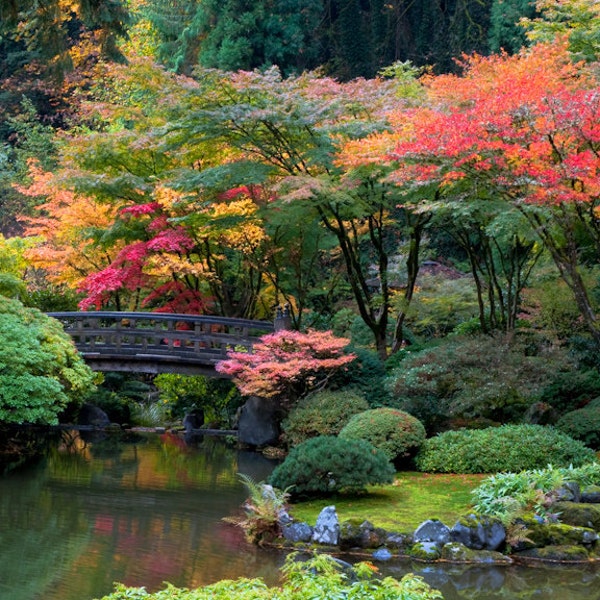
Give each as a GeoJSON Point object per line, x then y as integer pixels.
{"type": "Point", "coordinates": [325, 465]}
{"type": "Point", "coordinates": [583, 424]}
{"type": "Point", "coordinates": [395, 432]}
{"type": "Point", "coordinates": [366, 375]}
{"type": "Point", "coordinates": [474, 378]}
{"type": "Point", "coordinates": [322, 413]}
{"type": "Point", "coordinates": [495, 449]}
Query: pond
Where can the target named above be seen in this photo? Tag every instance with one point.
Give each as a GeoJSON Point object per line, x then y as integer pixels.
{"type": "Point", "coordinates": [149, 509]}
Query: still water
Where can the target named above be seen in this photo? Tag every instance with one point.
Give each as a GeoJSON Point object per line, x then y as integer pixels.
{"type": "Point", "coordinates": [148, 510]}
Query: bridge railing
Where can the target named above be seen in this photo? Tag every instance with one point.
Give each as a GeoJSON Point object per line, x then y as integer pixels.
{"type": "Point", "coordinates": [195, 337]}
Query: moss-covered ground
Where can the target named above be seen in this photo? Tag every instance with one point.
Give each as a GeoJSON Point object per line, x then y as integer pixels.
{"type": "Point", "coordinates": [402, 506]}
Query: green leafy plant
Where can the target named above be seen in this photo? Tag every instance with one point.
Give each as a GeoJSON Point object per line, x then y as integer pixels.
{"type": "Point", "coordinates": [510, 495]}
{"type": "Point", "coordinates": [41, 372]}
{"type": "Point", "coordinates": [325, 465]}
{"type": "Point", "coordinates": [496, 449]}
{"type": "Point", "coordinates": [322, 413]}
{"type": "Point", "coordinates": [395, 432]}
{"type": "Point", "coordinates": [321, 577]}
{"type": "Point", "coordinates": [262, 511]}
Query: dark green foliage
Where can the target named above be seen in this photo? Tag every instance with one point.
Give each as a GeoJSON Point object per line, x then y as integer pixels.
{"type": "Point", "coordinates": [366, 375]}
{"type": "Point", "coordinates": [570, 389]}
{"type": "Point", "coordinates": [322, 413]}
{"type": "Point", "coordinates": [395, 432]}
{"type": "Point", "coordinates": [326, 465]}
{"type": "Point", "coordinates": [505, 32]}
{"type": "Point", "coordinates": [496, 449]}
{"type": "Point", "coordinates": [583, 424]}
{"type": "Point", "coordinates": [475, 379]}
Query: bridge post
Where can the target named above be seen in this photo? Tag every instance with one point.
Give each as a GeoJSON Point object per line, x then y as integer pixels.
{"type": "Point", "coordinates": [283, 319]}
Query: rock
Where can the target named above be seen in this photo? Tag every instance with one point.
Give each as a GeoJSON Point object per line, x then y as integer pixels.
{"type": "Point", "coordinates": [425, 551]}
{"type": "Point", "coordinates": [562, 554]}
{"type": "Point", "coordinates": [382, 554]}
{"type": "Point", "coordinates": [297, 532]}
{"type": "Point", "coordinates": [579, 514]}
{"type": "Point", "coordinates": [457, 552]}
{"type": "Point", "coordinates": [558, 534]}
{"type": "Point", "coordinates": [591, 494]}
{"type": "Point", "coordinates": [258, 423]}
{"type": "Point", "coordinates": [568, 492]}
{"type": "Point", "coordinates": [327, 527]}
{"type": "Point", "coordinates": [193, 420]}
{"type": "Point", "coordinates": [432, 531]}
{"type": "Point", "coordinates": [89, 414]}
{"type": "Point", "coordinates": [398, 540]}
{"type": "Point", "coordinates": [479, 532]}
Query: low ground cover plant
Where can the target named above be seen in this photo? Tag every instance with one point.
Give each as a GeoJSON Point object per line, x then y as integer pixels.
{"type": "Point", "coordinates": [398, 434]}
{"type": "Point", "coordinates": [497, 449]}
{"type": "Point", "coordinates": [509, 495]}
{"type": "Point", "coordinates": [322, 413]}
{"type": "Point", "coordinates": [319, 578]}
{"type": "Point", "coordinates": [326, 465]}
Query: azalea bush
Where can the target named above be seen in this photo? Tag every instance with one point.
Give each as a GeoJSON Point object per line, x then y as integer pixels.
{"type": "Point", "coordinates": [496, 449]}
{"type": "Point", "coordinates": [320, 578]}
{"type": "Point", "coordinates": [287, 365]}
{"type": "Point", "coordinates": [395, 432]}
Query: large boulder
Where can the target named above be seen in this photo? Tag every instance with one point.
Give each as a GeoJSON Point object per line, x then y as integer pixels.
{"type": "Point", "coordinates": [579, 514]}
{"type": "Point", "coordinates": [479, 532]}
{"type": "Point", "coordinates": [258, 423]}
{"type": "Point", "coordinates": [327, 527]}
{"type": "Point", "coordinates": [92, 416]}
{"type": "Point", "coordinates": [297, 532]}
{"type": "Point", "coordinates": [434, 531]}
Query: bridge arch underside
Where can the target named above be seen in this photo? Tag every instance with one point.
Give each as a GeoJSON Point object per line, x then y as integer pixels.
{"type": "Point", "coordinates": [148, 364]}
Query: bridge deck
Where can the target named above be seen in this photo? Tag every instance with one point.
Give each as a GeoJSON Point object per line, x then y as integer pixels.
{"type": "Point", "coordinates": [158, 342]}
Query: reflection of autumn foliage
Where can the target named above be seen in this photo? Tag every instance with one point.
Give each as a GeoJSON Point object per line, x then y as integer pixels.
{"type": "Point", "coordinates": [287, 364]}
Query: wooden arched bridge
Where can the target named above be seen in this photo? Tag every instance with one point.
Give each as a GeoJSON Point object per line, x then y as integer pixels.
{"type": "Point", "coordinates": [147, 342]}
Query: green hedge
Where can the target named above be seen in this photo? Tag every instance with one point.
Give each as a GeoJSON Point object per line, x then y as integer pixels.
{"type": "Point", "coordinates": [325, 465]}
{"type": "Point", "coordinates": [496, 449]}
{"type": "Point", "coordinates": [394, 431]}
{"type": "Point", "coordinates": [583, 424]}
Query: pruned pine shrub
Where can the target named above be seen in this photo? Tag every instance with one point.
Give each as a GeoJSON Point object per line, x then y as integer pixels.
{"type": "Point", "coordinates": [322, 413]}
{"type": "Point", "coordinates": [326, 464]}
{"type": "Point", "coordinates": [496, 449]}
{"type": "Point", "coordinates": [583, 424]}
{"type": "Point", "coordinates": [395, 432]}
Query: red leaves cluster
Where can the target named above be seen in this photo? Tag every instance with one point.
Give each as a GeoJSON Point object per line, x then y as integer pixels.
{"type": "Point", "coordinates": [287, 364]}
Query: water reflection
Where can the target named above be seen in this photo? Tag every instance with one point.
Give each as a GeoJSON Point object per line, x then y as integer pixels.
{"type": "Point", "coordinates": [141, 512]}
{"type": "Point", "coordinates": [148, 509]}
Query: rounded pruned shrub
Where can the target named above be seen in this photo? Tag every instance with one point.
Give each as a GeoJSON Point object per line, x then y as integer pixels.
{"type": "Point", "coordinates": [583, 424]}
{"type": "Point", "coordinates": [496, 449]}
{"type": "Point", "coordinates": [326, 464]}
{"type": "Point", "coordinates": [322, 413]}
{"type": "Point", "coordinates": [395, 432]}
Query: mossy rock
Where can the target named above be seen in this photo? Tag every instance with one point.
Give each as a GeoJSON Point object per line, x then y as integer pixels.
{"type": "Point", "coordinates": [427, 551]}
{"type": "Point", "coordinates": [357, 533]}
{"type": "Point", "coordinates": [558, 534]}
{"type": "Point", "coordinates": [479, 532]}
{"type": "Point", "coordinates": [457, 552]}
{"type": "Point", "coordinates": [591, 494]}
{"type": "Point", "coordinates": [579, 514]}
{"type": "Point", "coordinates": [564, 554]}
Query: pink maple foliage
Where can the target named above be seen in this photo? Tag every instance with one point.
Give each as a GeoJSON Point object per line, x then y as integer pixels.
{"type": "Point", "coordinates": [287, 364]}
